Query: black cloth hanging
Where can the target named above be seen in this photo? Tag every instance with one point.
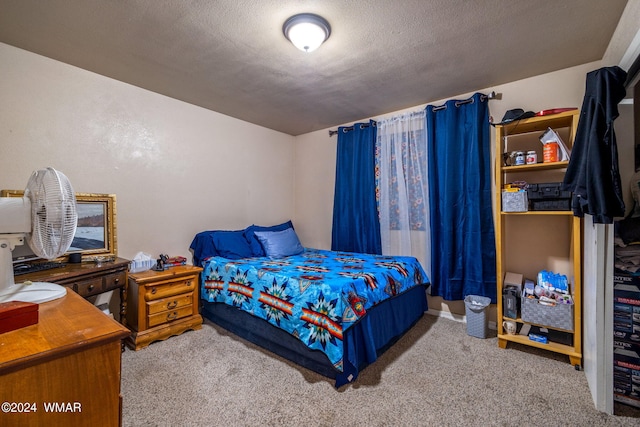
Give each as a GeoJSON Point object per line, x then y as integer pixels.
{"type": "Point", "coordinates": [593, 174]}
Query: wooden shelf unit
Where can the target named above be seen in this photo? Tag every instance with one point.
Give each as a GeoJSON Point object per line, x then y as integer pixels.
{"type": "Point", "coordinates": [567, 228]}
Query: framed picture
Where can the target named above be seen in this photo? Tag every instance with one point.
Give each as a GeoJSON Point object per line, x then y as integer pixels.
{"type": "Point", "coordinates": [96, 229]}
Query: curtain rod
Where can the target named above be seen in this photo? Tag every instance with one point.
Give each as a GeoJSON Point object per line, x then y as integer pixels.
{"type": "Point", "coordinates": [350, 128]}
{"type": "Point", "coordinates": [491, 95]}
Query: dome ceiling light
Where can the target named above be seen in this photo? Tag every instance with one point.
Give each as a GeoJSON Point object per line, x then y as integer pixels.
{"type": "Point", "coordinates": [306, 31]}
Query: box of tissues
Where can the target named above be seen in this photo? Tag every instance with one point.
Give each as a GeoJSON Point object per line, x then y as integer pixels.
{"type": "Point", "coordinates": [141, 262]}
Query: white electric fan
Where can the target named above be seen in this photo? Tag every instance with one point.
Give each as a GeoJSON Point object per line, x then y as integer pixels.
{"type": "Point", "coordinates": [47, 217]}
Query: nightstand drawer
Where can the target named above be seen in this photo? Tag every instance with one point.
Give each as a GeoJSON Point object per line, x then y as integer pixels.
{"type": "Point", "coordinates": [171, 303]}
{"type": "Point", "coordinates": [169, 288]}
{"type": "Point", "coordinates": [169, 316]}
{"type": "Point", "coordinates": [89, 287]}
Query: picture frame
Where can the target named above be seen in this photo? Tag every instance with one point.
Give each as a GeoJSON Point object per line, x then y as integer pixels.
{"type": "Point", "coordinates": [96, 231]}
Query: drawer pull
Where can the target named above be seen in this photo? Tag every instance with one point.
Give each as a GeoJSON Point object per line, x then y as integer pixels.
{"type": "Point", "coordinates": [172, 316]}
{"type": "Point", "coordinates": [188, 282]}
{"type": "Point", "coordinates": [116, 281]}
{"type": "Point", "coordinates": [153, 291]}
{"type": "Point", "coordinates": [90, 288]}
{"type": "Point", "coordinates": [171, 305]}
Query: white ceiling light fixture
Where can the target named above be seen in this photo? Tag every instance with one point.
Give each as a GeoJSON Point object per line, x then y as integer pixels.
{"type": "Point", "coordinates": [306, 31]}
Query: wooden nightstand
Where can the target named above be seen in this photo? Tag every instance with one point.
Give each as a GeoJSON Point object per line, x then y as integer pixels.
{"type": "Point", "coordinates": [162, 303]}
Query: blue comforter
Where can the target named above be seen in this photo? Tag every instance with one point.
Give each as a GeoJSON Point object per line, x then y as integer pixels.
{"type": "Point", "coordinates": [315, 296]}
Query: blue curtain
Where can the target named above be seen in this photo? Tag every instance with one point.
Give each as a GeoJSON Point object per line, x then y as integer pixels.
{"type": "Point", "coordinates": [463, 251]}
{"type": "Point", "coordinates": [356, 227]}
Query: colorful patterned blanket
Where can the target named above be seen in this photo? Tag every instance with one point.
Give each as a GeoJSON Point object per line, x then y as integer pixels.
{"type": "Point", "coordinates": [315, 296]}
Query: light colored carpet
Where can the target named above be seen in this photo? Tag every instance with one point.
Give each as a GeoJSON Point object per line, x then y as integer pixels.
{"type": "Point", "coordinates": [436, 375]}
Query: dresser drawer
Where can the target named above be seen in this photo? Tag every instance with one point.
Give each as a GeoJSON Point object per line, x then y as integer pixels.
{"type": "Point", "coordinates": [169, 316]}
{"type": "Point", "coordinates": [115, 280]}
{"type": "Point", "coordinates": [89, 287]}
{"type": "Point", "coordinates": [171, 303]}
{"type": "Point", "coordinates": [169, 288]}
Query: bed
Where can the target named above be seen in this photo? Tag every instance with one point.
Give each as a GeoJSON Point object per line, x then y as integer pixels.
{"type": "Point", "coordinates": [331, 312]}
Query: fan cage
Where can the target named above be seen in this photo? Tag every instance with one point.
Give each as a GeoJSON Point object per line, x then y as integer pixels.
{"type": "Point", "coordinates": [53, 212]}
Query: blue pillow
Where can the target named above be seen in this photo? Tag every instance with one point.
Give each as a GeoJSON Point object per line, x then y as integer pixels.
{"type": "Point", "coordinates": [203, 247]}
{"type": "Point", "coordinates": [232, 244]}
{"type": "Point", "coordinates": [254, 243]}
{"type": "Point", "coordinates": [278, 244]}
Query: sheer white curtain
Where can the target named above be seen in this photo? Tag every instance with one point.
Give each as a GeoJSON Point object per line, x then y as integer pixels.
{"type": "Point", "coordinates": [403, 192]}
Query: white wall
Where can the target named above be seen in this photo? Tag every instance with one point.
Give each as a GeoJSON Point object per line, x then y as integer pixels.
{"type": "Point", "coordinates": [175, 168]}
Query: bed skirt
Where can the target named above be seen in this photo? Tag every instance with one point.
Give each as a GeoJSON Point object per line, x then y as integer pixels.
{"type": "Point", "coordinates": [363, 342]}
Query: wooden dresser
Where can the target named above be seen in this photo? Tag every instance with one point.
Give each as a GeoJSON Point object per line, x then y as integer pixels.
{"type": "Point", "coordinates": [64, 370]}
{"type": "Point", "coordinates": [162, 303]}
{"type": "Point", "coordinates": [87, 279]}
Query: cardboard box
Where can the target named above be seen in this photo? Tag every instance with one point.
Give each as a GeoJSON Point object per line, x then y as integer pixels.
{"type": "Point", "coordinates": [622, 278]}
{"type": "Point", "coordinates": [626, 314]}
{"type": "Point", "coordinates": [626, 345]}
{"type": "Point", "coordinates": [626, 310]}
{"type": "Point", "coordinates": [626, 400]}
{"type": "Point", "coordinates": [626, 376]}
{"type": "Point", "coordinates": [513, 280]}
{"type": "Point", "coordinates": [627, 292]}
{"type": "Point", "coordinates": [631, 336]}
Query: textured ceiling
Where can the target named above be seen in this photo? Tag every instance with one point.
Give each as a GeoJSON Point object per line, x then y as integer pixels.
{"type": "Point", "coordinates": [230, 56]}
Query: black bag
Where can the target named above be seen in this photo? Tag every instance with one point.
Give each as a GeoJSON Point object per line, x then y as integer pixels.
{"type": "Point", "coordinates": [628, 230]}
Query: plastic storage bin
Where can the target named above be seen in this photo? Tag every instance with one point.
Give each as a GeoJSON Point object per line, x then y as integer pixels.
{"type": "Point", "coordinates": [514, 201]}
{"type": "Point", "coordinates": [475, 309]}
{"type": "Point", "coordinates": [559, 316]}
